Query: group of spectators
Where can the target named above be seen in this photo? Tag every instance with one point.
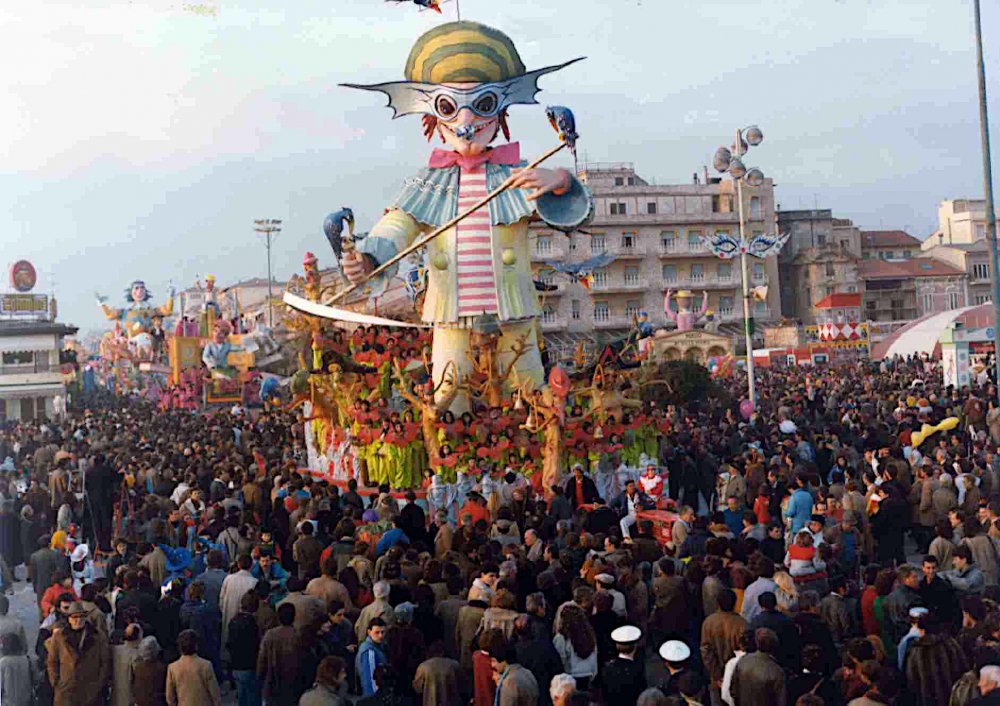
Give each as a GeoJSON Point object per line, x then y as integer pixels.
{"type": "Point", "coordinates": [818, 557]}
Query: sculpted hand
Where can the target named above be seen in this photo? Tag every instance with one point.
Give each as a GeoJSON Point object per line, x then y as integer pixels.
{"type": "Point", "coordinates": [541, 180]}
{"type": "Point", "coordinates": [356, 266]}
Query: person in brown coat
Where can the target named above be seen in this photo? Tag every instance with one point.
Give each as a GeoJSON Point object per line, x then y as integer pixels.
{"type": "Point", "coordinates": [758, 679]}
{"type": "Point", "coordinates": [149, 675]}
{"type": "Point", "coordinates": [306, 552]}
{"type": "Point", "coordinates": [79, 662]}
{"type": "Point", "coordinates": [191, 679]}
{"type": "Point", "coordinates": [671, 611]}
{"type": "Point", "coordinates": [720, 634]}
{"type": "Point", "coordinates": [439, 680]}
{"type": "Point", "coordinates": [278, 660]}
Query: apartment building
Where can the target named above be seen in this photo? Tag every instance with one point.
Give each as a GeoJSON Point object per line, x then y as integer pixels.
{"type": "Point", "coordinates": [819, 260]}
{"type": "Point", "coordinates": [960, 240]}
{"type": "Point", "coordinates": [888, 245]}
{"type": "Point", "coordinates": [654, 234]}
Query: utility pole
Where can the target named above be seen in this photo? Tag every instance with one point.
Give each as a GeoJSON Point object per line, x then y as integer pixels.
{"type": "Point", "coordinates": [991, 218]}
{"type": "Point", "coordinates": [268, 227]}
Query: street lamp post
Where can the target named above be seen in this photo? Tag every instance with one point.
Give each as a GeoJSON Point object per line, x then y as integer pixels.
{"type": "Point", "coordinates": [268, 227]}
{"type": "Point", "coordinates": [991, 218]}
{"type": "Point", "coordinates": [731, 162]}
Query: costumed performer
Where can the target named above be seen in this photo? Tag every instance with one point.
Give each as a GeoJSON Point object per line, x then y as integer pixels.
{"type": "Point", "coordinates": [463, 76]}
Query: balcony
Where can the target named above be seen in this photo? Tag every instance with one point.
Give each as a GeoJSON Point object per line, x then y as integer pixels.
{"type": "Point", "coordinates": [626, 284]}
{"type": "Point", "coordinates": [620, 250]}
{"type": "Point", "coordinates": [553, 322]}
{"type": "Point", "coordinates": [555, 250]}
{"type": "Point", "coordinates": [682, 247]}
{"type": "Point", "coordinates": [703, 282]}
{"type": "Point", "coordinates": [560, 289]}
{"type": "Point", "coordinates": [603, 321]}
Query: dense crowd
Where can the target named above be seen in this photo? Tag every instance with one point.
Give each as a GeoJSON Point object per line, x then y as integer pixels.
{"type": "Point", "coordinates": [182, 558]}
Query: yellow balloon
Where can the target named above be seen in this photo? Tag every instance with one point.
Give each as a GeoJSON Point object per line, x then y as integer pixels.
{"type": "Point", "coordinates": [948, 424]}
{"type": "Point", "coordinates": [916, 438]}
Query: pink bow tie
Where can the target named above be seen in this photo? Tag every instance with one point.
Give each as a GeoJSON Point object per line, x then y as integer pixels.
{"type": "Point", "coordinates": [509, 154]}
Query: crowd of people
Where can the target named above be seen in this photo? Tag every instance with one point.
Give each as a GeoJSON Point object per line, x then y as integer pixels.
{"type": "Point", "coordinates": [182, 558]}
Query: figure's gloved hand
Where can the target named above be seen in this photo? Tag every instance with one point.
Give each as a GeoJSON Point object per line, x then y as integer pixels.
{"type": "Point", "coordinates": [356, 266]}
{"type": "Point", "coordinates": [541, 180]}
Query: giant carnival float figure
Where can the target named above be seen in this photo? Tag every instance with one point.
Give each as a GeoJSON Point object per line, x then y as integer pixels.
{"type": "Point", "coordinates": [131, 339]}
{"type": "Point", "coordinates": [462, 77]}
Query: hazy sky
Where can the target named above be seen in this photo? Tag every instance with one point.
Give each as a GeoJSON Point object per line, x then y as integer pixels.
{"type": "Point", "coordinates": [141, 138]}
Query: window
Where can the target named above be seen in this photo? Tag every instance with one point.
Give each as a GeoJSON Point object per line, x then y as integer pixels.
{"type": "Point", "coordinates": [983, 299]}
{"type": "Point", "coordinates": [726, 306]}
{"type": "Point", "coordinates": [600, 278]}
{"type": "Point", "coordinates": [574, 307]}
{"type": "Point", "coordinates": [619, 181]}
{"type": "Point", "coordinates": [547, 277]}
{"type": "Point", "coordinates": [617, 209]}
{"type": "Point", "coordinates": [632, 275]}
{"type": "Point", "coordinates": [631, 181]}
{"type": "Point", "coordinates": [668, 240]}
{"type": "Point", "coordinates": [669, 273]}
{"type": "Point", "coordinates": [722, 203]}
{"type": "Point", "coordinates": [882, 255]}
{"type": "Point", "coordinates": [758, 271]}
{"type": "Point", "coordinates": [907, 254]}
{"type": "Point", "coordinates": [632, 309]}
{"type": "Point", "coordinates": [953, 302]}
{"type": "Point", "coordinates": [724, 270]}
{"type": "Point", "coordinates": [980, 231]}
{"type": "Point", "coordinates": [755, 207]}
{"type": "Point", "coordinates": [598, 243]}
{"type": "Point", "coordinates": [820, 240]}
{"type": "Point", "coordinates": [628, 241]}
{"type": "Point", "coordinates": [829, 270]}
{"type": "Point", "coordinates": [651, 207]}
{"type": "Point", "coordinates": [760, 308]}
{"type": "Point", "coordinates": [697, 273]}
{"type": "Point", "coordinates": [980, 270]}
{"type": "Point", "coordinates": [844, 244]}
{"type": "Point", "coordinates": [543, 245]}
{"type": "Point", "coordinates": [572, 242]}
{"type": "Point", "coordinates": [548, 315]}
{"type": "Point", "coordinates": [694, 241]}
{"type": "Point", "coordinates": [601, 311]}
{"type": "Point", "coordinates": [927, 302]}
{"type": "Point", "coordinates": [852, 289]}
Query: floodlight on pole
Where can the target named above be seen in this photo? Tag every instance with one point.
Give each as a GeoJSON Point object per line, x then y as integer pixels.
{"type": "Point", "coordinates": [268, 227]}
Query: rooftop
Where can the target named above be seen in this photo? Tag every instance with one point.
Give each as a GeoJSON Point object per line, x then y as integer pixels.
{"type": "Point", "coordinates": [839, 301]}
{"type": "Point", "coordinates": [888, 239]}
{"type": "Point", "coordinates": [904, 269]}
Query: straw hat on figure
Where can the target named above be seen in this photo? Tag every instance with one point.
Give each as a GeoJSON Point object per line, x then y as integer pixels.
{"type": "Point", "coordinates": [462, 77]}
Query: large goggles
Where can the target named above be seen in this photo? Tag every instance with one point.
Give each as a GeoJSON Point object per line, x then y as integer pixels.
{"type": "Point", "coordinates": [445, 102]}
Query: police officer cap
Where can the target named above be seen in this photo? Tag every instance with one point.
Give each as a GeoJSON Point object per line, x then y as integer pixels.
{"type": "Point", "coordinates": [674, 651]}
{"type": "Point", "coordinates": [626, 634]}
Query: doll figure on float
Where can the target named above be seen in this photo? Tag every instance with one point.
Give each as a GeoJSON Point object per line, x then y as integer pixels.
{"type": "Point", "coordinates": [210, 310]}
{"type": "Point", "coordinates": [136, 317]}
{"type": "Point", "coordinates": [462, 77]}
{"type": "Point", "coordinates": [215, 355]}
{"type": "Point", "coordinates": [685, 317]}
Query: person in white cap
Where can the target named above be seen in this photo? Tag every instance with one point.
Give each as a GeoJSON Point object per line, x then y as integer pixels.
{"type": "Point", "coordinates": [918, 626]}
{"type": "Point", "coordinates": [624, 677]}
{"type": "Point", "coordinates": [606, 583]}
{"type": "Point", "coordinates": [675, 655]}
{"type": "Point", "coordinates": [82, 566]}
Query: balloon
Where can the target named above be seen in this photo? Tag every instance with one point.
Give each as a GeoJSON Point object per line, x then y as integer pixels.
{"type": "Point", "coordinates": [787, 426]}
{"type": "Point", "coordinates": [746, 409]}
{"type": "Point", "coordinates": [559, 382]}
{"type": "Point", "coordinates": [918, 437]}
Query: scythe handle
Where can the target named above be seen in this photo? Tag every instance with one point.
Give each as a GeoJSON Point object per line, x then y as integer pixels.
{"type": "Point", "coordinates": [420, 242]}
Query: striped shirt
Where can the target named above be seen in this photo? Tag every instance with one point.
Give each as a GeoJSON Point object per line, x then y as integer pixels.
{"type": "Point", "coordinates": [477, 292]}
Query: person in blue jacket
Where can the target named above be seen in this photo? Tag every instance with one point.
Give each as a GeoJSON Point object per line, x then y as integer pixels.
{"type": "Point", "coordinates": [370, 656]}
{"type": "Point", "coordinates": [799, 505]}
{"type": "Point", "coordinates": [268, 569]}
{"type": "Point", "coordinates": [391, 538]}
